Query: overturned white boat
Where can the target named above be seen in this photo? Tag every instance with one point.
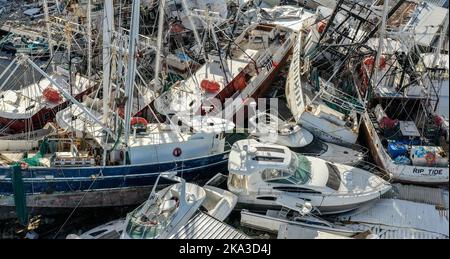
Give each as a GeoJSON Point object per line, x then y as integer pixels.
{"type": "Point", "coordinates": [270, 129]}
{"type": "Point", "coordinates": [260, 173]}
{"type": "Point", "coordinates": [293, 213]}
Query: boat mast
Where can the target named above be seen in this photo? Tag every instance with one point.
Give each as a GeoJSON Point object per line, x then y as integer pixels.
{"type": "Point", "coordinates": [89, 40]}
{"type": "Point", "coordinates": [49, 34]}
{"type": "Point", "coordinates": [441, 41]}
{"type": "Point", "coordinates": [162, 4]}
{"type": "Point", "coordinates": [131, 73]}
{"type": "Point", "coordinates": [108, 27]}
{"type": "Point", "coordinates": [191, 22]}
{"type": "Point", "coordinates": [381, 37]}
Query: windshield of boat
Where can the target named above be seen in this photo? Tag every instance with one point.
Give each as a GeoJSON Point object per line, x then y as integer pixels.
{"type": "Point", "coordinates": [298, 172]}
{"type": "Point", "coordinates": [148, 224]}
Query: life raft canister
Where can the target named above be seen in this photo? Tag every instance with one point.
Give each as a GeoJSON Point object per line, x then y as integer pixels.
{"type": "Point", "coordinates": [177, 152]}
{"type": "Point", "coordinates": [139, 121]}
{"type": "Point", "coordinates": [51, 95]}
{"type": "Point", "coordinates": [210, 86]}
{"type": "Point", "coordinates": [321, 26]}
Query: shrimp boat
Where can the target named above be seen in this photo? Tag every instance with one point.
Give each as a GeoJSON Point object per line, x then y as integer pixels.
{"type": "Point", "coordinates": [405, 133]}
{"type": "Point", "coordinates": [112, 162]}
{"type": "Point", "coordinates": [33, 106]}
{"type": "Point", "coordinates": [271, 129]}
{"type": "Point", "coordinates": [261, 173]}
{"type": "Point", "coordinates": [167, 212]}
{"type": "Point", "coordinates": [408, 139]}
{"type": "Point", "coordinates": [246, 70]}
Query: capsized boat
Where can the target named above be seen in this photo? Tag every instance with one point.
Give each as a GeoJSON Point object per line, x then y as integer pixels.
{"type": "Point", "coordinates": [167, 212]}
{"type": "Point", "coordinates": [293, 213]}
{"type": "Point", "coordinates": [316, 104]}
{"type": "Point", "coordinates": [271, 129]}
{"type": "Point", "coordinates": [260, 173]}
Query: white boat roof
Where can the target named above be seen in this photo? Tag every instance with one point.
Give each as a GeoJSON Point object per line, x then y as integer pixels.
{"type": "Point", "coordinates": [426, 26]}
{"type": "Point", "coordinates": [403, 214]}
{"type": "Point", "coordinates": [208, 124]}
{"type": "Point", "coordinates": [289, 16]}
{"type": "Point", "coordinates": [246, 162]}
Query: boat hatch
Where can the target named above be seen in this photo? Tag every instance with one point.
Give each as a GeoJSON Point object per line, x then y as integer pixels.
{"type": "Point", "coordinates": [334, 177]}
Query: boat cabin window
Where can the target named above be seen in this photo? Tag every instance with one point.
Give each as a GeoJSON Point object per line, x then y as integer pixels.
{"type": "Point", "coordinates": [298, 172]}
{"type": "Point", "coordinates": [334, 177]}
{"type": "Point", "coordinates": [295, 189]}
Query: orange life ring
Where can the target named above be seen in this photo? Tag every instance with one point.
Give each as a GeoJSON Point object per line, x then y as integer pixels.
{"type": "Point", "coordinates": [139, 121]}
{"type": "Point", "coordinates": [177, 152]}
{"type": "Point", "coordinates": [210, 86]}
{"type": "Point", "coordinates": [51, 95]}
{"type": "Point", "coordinates": [431, 158]}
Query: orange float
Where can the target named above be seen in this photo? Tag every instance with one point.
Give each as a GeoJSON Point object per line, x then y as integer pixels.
{"type": "Point", "coordinates": [139, 121]}
{"type": "Point", "coordinates": [321, 26]}
{"type": "Point", "coordinates": [210, 86]}
{"type": "Point", "coordinates": [51, 95]}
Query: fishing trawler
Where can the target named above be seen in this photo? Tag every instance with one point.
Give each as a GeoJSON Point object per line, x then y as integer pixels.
{"type": "Point", "coordinates": [314, 103]}
{"type": "Point", "coordinates": [407, 139]}
{"type": "Point", "coordinates": [33, 106]}
{"type": "Point", "coordinates": [261, 173]}
{"type": "Point", "coordinates": [245, 69]}
{"type": "Point", "coordinates": [406, 135]}
{"type": "Point", "coordinates": [112, 162]}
